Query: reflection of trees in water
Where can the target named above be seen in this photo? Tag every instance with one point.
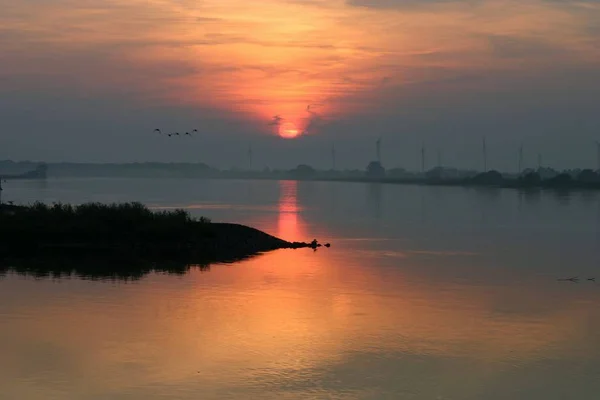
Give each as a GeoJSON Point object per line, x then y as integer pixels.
{"type": "Point", "coordinates": [488, 195]}
{"type": "Point", "coordinates": [102, 267]}
{"type": "Point", "coordinates": [374, 199]}
{"type": "Point", "coordinates": [562, 197]}
{"type": "Point", "coordinates": [530, 197]}
{"type": "Point", "coordinates": [488, 198]}
{"type": "Point", "coordinates": [589, 197]}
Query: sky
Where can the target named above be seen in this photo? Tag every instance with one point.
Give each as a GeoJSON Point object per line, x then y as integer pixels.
{"type": "Point", "coordinates": [89, 80]}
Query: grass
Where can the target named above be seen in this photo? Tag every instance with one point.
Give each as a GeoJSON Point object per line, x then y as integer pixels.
{"type": "Point", "coordinates": [124, 224]}
{"type": "Point", "coordinates": [119, 240]}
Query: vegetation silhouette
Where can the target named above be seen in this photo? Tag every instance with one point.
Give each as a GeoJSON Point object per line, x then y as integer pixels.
{"type": "Point", "coordinates": [303, 171]}
{"type": "Point", "coordinates": [121, 240]}
{"type": "Point", "coordinates": [542, 177]}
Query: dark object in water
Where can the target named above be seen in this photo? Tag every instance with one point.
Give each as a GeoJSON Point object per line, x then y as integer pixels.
{"type": "Point", "coordinates": [592, 279]}
{"type": "Point", "coordinates": [315, 244]}
{"type": "Point", "coordinates": [573, 279]}
{"type": "Point", "coordinates": [124, 232]}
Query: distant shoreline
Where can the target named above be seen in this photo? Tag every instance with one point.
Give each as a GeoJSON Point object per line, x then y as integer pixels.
{"type": "Point", "coordinates": [507, 184]}
{"type": "Point", "coordinates": [530, 179]}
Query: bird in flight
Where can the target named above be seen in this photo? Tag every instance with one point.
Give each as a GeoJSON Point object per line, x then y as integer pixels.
{"type": "Point", "coordinates": [176, 133]}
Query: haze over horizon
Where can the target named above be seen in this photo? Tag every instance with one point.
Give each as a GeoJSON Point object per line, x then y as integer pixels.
{"type": "Point", "coordinates": [89, 80]}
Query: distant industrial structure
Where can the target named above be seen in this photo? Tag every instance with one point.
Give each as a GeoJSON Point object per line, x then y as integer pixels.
{"type": "Point", "coordinates": [375, 168]}
{"type": "Point", "coordinates": [250, 156]}
{"type": "Point", "coordinates": [485, 160]}
{"type": "Point", "coordinates": [597, 155]}
{"type": "Point", "coordinates": [333, 166]}
{"type": "Point", "coordinates": [520, 167]}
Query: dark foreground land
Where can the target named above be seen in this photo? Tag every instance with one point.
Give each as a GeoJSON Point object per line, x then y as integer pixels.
{"type": "Point", "coordinates": [121, 240]}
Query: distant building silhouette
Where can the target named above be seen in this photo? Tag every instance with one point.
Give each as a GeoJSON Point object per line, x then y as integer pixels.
{"type": "Point", "coordinates": [303, 171]}
{"type": "Point", "coordinates": [375, 170]}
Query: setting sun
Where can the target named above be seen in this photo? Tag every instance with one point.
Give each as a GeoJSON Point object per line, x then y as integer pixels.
{"type": "Point", "coordinates": [288, 131]}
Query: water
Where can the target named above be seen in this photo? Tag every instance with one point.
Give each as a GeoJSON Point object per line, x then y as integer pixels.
{"type": "Point", "coordinates": [427, 293]}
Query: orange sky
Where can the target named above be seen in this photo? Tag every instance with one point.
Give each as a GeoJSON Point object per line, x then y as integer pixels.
{"type": "Point", "coordinates": [270, 57]}
{"type": "Point", "coordinates": [86, 74]}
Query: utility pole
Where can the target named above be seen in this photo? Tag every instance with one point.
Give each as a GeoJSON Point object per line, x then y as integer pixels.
{"type": "Point", "coordinates": [598, 155]}
{"type": "Point", "coordinates": [250, 157]}
{"type": "Point", "coordinates": [378, 150]}
{"type": "Point", "coordinates": [521, 159]}
{"type": "Point", "coordinates": [333, 156]}
{"type": "Point", "coordinates": [484, 155]}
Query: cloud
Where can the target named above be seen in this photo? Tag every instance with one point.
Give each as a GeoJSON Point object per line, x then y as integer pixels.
{"type": "Point", "coordinates": [240, 63]}
{"type": "Point", "coordinates": [401, 4]}
{"type": "Point", "coordinates": [506, 46]}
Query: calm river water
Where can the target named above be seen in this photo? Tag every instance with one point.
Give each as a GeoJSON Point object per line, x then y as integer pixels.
{"type": "Point", "coordinates": [426, 293]}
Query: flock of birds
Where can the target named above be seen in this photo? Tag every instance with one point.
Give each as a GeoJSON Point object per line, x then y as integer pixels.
{"type": "Point", "coordinates": [275, 121]}
{"type": "Point", "coordinates": [193, 132]}
{"type": "Point", "coordinates": [576, 279]}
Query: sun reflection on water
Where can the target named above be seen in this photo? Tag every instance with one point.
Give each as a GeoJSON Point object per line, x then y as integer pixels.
{"type": "Point", "coordinates": [350, 322]}
{"type": "Point", "coordinates": [290, 224]}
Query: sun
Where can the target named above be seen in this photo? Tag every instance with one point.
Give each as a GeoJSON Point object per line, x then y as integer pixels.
{"type": "Point", "coordinates": [288, 130]}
